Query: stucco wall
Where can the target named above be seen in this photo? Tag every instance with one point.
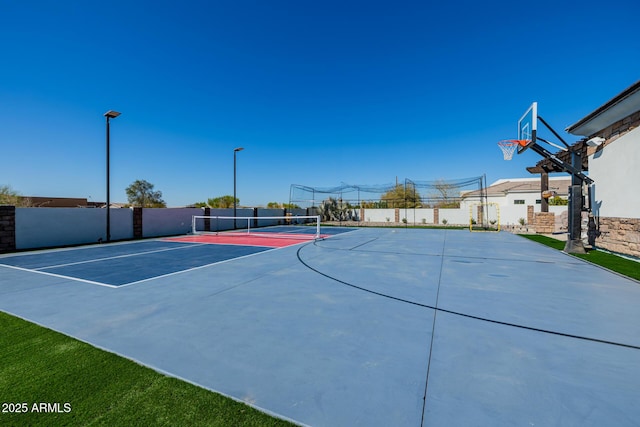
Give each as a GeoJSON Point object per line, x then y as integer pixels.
{"type": "Point", "coordinates": [615, 170]}
{"type": "Point", "coordinates": [48, 227]}
{"type": "Point", "coordinates": [165, 222]}
{"type": "Point", "coordinates": [31, 228]}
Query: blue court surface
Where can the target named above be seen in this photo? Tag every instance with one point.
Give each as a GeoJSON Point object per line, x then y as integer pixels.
{"type": "Point", "coordinates": [127, 264]}
{"type": "Point", "coordinates": [371, 327]}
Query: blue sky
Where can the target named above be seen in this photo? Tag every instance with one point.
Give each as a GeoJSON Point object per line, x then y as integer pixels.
{"type": "Point", "coordinates": [318, 93]}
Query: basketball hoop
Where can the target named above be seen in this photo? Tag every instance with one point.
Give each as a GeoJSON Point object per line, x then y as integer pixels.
{"type": "Point", "coordinates": [508, 146]}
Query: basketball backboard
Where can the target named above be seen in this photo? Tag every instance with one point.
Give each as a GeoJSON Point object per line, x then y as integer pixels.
{"type": "Point", "coordinates": [528, 127]}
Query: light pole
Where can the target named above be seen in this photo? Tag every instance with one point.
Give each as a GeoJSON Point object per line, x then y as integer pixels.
{"type": "Point", "coordinates": [109, 115]}
{"type": "Point", "coordinates": [235, 150]}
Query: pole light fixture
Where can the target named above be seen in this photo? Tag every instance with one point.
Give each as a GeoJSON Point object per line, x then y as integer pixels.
{"type": "Point", "coordinates": [109, 115]}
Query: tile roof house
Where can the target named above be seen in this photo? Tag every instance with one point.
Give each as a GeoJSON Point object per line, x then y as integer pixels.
{"type": "Point", "coordinates": [519, 199]}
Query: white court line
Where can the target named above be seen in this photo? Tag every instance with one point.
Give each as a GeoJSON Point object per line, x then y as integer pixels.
{"type": "Point", "coordinates": [38, 271]}
{"type": "Point", "coordinates": [298, 230]}
{"type": "Point", "coordinates": [200, 266]}
{"type": "Point", "coordinates": [116, 257]}
{"type": "Point", "coordinates": [59, 276]}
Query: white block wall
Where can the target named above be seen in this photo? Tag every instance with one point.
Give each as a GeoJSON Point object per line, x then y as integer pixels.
{"type": "Point", "coordinates": [379, 215]}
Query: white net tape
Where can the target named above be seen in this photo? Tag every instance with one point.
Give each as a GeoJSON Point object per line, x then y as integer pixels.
{"type": "Point", "coordinates": [298, 226]}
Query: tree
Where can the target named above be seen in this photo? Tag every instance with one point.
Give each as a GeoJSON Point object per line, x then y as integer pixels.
{"type": "Point", "coordinates": [276, 205]}
{"type": "Point", "coordinates": [401, 196]}
{"type": "Point", "coordinates": [558, 201]}
{"type": "Point", "coordinates": [444, 196]}
{"type": "Point", "coordinates": [222, 202]}
{"type": "Point", "coordinates": [378, 204]}
{"type": "Point", "coordinates": [335, 210]}
{"type": "Point", "coordinates": [8, 196]}
{"type": "Point", "coordinates": [141, 193]}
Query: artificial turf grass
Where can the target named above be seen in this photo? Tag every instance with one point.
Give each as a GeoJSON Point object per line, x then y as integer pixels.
{"type": "Point", "coordinates": [609, 261]}
{"type": "Point", "coordinates": [38, 365]}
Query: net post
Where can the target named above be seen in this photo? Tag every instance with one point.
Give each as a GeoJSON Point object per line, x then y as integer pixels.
{"type": "Point", "coordinates": [248, 225]}
{"type": "Point", "coordinates": [317, 226]}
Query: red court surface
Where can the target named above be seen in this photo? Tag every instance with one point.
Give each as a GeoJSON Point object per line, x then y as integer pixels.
{"type": "Point", "coordinates": [256, 239]}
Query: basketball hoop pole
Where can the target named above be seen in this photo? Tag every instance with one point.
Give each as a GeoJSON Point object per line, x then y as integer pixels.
{"type": "Point", "coordinates": [574, 243]}
{"type": "Point", "coordinates": [569, 168]}
{"type": "Point", "coordinates": [527, 130]}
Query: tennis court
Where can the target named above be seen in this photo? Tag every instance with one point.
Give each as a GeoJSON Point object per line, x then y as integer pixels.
{"type": "Point", "coordinates": [371, 327]}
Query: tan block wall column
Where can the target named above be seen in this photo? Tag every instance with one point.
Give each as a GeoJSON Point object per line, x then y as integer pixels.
{"type": "Point", "coordinates": [531, 220]}
{"type": "Point", "coordinates": [621, 235]}
{"type": "Point", "coordinates": [545, 222]}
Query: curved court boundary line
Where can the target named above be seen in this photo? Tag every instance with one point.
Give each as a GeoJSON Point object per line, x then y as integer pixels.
{"type": "Point", "coordinates": [437, 255]}
{"type": "Point", "coordinates": [455, 313]}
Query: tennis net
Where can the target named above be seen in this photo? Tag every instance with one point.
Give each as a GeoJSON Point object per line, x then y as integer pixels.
{"type": "Point", "coordinates": [289, 227]}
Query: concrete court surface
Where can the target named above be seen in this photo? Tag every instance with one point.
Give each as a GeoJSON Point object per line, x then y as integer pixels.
{"type": "Point", "coordinates": [344, 331]}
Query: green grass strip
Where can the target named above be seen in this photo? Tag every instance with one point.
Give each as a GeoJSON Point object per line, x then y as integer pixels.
{"type": "Point", "coordinates": [82, 385]}
{"type": "Point", "coordinates": [620, 265]}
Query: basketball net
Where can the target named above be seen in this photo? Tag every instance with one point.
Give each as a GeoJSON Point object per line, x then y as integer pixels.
{"type": "Point", "coordinates": [508, 147]}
